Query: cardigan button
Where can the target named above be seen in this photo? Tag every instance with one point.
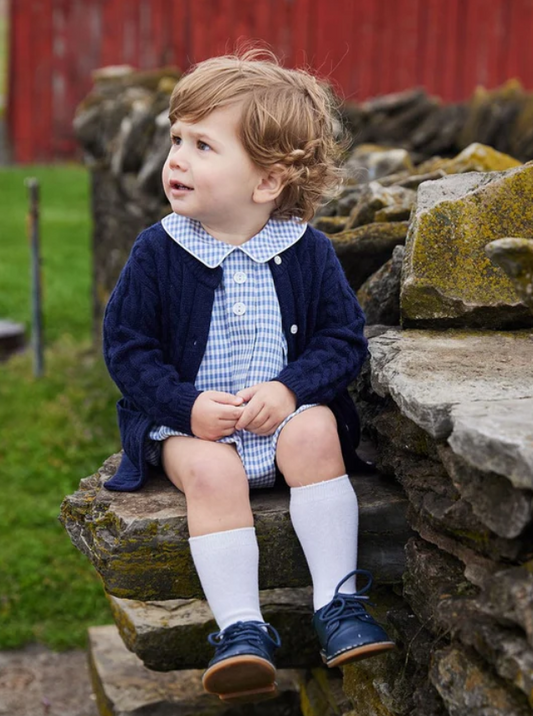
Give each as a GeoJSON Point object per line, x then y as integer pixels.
{"type": "Point", "coordinates": [277, 260]}
{"type": "Point", "coordinates": [294, 328]}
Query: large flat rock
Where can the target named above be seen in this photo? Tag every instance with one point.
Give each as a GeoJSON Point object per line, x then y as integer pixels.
{"type": "Point", "coordinates": [138, 542]}
{"type": "Point", "coordinates": [172, 634]}
{"type": "Point", "coordinates": [448, 279]}
{"type": "Point", "coordinates": [124, 687]}
{"type": "Point", "coordinates": [433, 375]}
{"type": "Point", "coordinates": [497, 436]}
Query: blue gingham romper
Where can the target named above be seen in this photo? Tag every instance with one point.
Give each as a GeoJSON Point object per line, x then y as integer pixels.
{"type": "Point", "coordinates": [246, 344]}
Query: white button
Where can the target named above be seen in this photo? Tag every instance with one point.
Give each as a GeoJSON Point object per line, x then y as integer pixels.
{"type": "Point", "coordinates": [294, 328]}
{"type": "Point", "coordinates": [239, 277]}
{"type": "Point", "coordinates": [239, 308]}
{"type": "Point", "coordinates": [277, 260]}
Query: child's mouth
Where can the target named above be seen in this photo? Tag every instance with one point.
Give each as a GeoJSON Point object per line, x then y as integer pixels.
{"type": "Point", "coordinates": [176, 185]}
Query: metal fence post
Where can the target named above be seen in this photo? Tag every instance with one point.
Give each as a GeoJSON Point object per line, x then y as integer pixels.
{"type": "Point", "coordinates": [36, 292]}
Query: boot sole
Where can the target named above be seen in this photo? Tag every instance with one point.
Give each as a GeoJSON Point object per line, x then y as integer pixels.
{"type": "Point", "coordinates": [358, 653]}
{"type": "Point", "coordinates": [241, 679]}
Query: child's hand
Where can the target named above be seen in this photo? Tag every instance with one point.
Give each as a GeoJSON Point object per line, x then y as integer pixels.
{"type": "Point", "coordinates": [268, 406]}
{"type": "Point", "coordinates": [214, 414]}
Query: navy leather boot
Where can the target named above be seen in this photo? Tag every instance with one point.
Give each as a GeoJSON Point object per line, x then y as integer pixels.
{"type": "Point", "coordinates": [242, 669]}
{"type": "Point", "coordinates": [345, 630]}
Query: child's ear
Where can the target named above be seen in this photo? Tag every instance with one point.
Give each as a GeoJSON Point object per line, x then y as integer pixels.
{"type": "Point", "coordinates": [271, 184]}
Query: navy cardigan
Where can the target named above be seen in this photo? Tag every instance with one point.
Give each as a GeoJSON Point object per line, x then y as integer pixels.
{"type": "Point", "coordinates": [157, 322]}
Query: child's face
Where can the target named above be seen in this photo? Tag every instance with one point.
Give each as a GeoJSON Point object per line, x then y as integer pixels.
{"type": "Point", "coordinates": [208, 176]}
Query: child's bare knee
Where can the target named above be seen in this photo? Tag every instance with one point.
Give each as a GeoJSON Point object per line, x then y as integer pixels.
{"type": "Point", "coordinates": [310, 442]}
{"type": "Point", "coordinates": [208, 477]}
{"type": "Point", "coordinates": [316, 431]}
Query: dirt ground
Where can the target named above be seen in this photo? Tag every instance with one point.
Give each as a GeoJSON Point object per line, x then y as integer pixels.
{"type": "Point", "coordinates": [35, 681]}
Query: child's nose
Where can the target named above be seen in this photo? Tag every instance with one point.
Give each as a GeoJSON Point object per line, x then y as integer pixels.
{"type": "Point", "coordinates": [178, 158]}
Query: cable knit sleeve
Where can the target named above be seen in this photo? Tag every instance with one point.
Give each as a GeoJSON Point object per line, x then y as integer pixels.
{"type": "Point", "coordinates": [132, 345]}
{"type": "Point", "coordinates": [337, 348]}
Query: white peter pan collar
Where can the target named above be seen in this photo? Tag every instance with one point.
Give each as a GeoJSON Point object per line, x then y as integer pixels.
{"type": "Point", "coordinates": [276, 236]}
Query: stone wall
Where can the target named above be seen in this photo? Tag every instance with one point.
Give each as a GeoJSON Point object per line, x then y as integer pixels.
{"type": "Point", "coordinates": [451, 415]}
{"type": "Point", "coordinates": [442, 247]}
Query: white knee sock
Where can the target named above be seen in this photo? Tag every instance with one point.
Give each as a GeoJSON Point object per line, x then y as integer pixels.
{"type": "Point", "coordinates": [228, 565]}
{"type": "Point", "coordinates": [325, 518]}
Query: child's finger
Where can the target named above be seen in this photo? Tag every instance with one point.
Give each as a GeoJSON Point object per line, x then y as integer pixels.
{"type": "Point", "coordinates": [260, 419]}
{"type": "Point", "coordinates": [230, 412]}
{"type": "Point", "coordinates": [248, 415]}
{"type": "Point", "coordinates": [248, 393]}
{"type": "Point", "coordinates": [226, 398]}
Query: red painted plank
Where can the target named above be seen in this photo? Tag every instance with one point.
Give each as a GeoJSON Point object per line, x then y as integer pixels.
{"type": "Point", "coordinates": [343, 42]}
{"type": "Point", "coordinates": [146, 36]}
{"type": "Point", "coordinates": [42, 111]}
{"type": "Point", "coordinates": [526, 40]}
{"type": "Point", "coordinates": [368, 34]}
{"type": "Point", "coordinates": [61, 80]}
{"type": "Point", "coordinates": [356, 58]}
{"type": "Point", "coordinates": [21, 118]}
{"type": "Point", "coordinates": [331, 43]}
{"type": "Point", "coordinates": [405, 38]}
{"type": "Point", "coordinates": [130, 31]}
{"type": "Point", "coordinates": [244, 22]}
{"type": "Point", "coordinates": [475, 70]}
{"type": "Point", "coordinates": [263, 21]}
{"type": "Point", "coordinates": [200, 22]}
{"type": "Point", "coordinates": [112, 35]}
{"type": "Point", "coordinates": [222, 21]}
{"type": "Point", "coordinates": [161, 49]}
{"type": "Point", "coordinates": [449, 64]}
{"type": "Point", "coordinates": [285, 34]}
{"type": "Point", "coordinates": [366, 46]}
{"type": "Point", "coordinates": [179, 21]}
{"type": "Point", "coordinates": [299, 32]}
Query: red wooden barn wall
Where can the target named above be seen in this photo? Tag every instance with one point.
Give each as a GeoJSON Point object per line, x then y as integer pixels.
{"type": "Point", "coordinates": [368, 47]}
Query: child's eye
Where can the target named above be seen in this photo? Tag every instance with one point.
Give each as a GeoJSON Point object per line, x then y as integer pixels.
{"type": "Point", "coordinates": [203, 146]}
{"type": "Point", "coordinates": [176, 140]}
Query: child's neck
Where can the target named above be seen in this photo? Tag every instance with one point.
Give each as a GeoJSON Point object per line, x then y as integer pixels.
{"type": "Point", "coordinates": [236, 236]}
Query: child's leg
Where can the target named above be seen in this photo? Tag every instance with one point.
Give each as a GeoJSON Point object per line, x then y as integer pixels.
{"type": "Point", "coordinates": [324, 513]}
{"type": "Point", "coordinates": [223, 542]}
{"type": "Point", "coordinates": [323, 504]}
{"type": "Point", "coordinates": [226, 556]}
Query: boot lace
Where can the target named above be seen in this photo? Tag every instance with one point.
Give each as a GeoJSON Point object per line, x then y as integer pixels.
{"type": "Point", "coordinates": [254, 632]}
{"type": "Point", "coordinates": [346, 606]}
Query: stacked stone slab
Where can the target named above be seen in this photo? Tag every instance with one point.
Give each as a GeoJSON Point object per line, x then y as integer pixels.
{"type": "Point", "coordinates": [124, 687]}
{"type": "Point", "coordinates": [451, 413]}
{"type": "Point", "coordinates": [138, 542]}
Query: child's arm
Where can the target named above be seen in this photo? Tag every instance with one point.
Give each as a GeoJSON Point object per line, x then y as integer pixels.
{"type": "Point", "coordinates": [337, 349]}
{"type": "Point", "coordinates": [132, 348]}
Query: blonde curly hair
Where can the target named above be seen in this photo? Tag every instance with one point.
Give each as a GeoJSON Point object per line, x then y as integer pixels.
{"type": "Point", "coordinates": [288, 122]}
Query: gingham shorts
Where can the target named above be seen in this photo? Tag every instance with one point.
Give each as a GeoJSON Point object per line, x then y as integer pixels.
{"type": "Point", "coordinates": [257, 452]}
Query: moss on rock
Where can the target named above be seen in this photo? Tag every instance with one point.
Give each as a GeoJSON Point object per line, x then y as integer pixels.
{"type": "Point", "coordinates": [448, 278]}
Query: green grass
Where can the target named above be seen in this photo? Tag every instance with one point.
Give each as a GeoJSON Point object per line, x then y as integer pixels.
{"type": "Point", "coordinates": [54, 430]}
{"type": "Point", "coordinates": [65, 260]}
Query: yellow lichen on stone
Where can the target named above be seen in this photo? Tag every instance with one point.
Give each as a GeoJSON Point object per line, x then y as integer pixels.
{"type": "Point", "coordinates": [475, 158]}
{"type": "Point", "coordinates": [447, 272]}
{"type": "Point", "coordinates": [359, 687]}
